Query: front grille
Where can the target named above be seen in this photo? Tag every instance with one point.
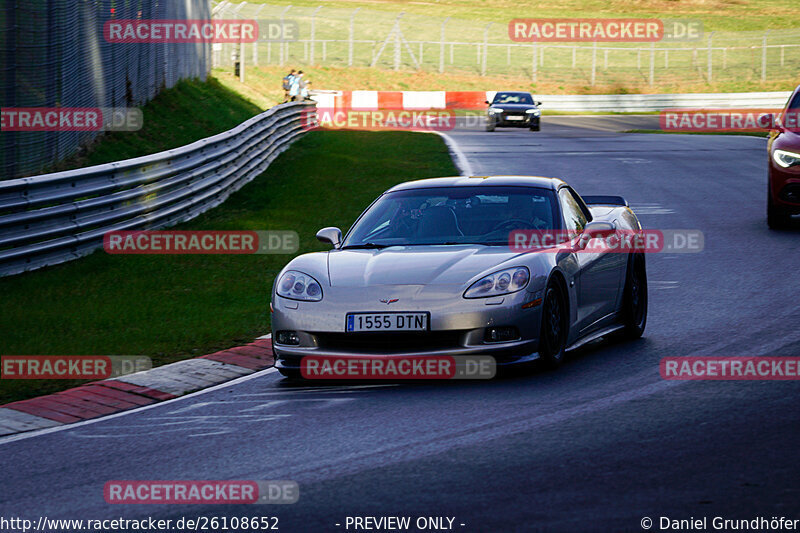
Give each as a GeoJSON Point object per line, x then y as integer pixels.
{"type": "Point", "coordinates": [390, 342]}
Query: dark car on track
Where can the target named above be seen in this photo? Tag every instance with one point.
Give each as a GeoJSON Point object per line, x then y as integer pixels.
{"type": "Point", "coordinates": [783, 183]}
{"type": "Point", "coordinates": [513, 109]}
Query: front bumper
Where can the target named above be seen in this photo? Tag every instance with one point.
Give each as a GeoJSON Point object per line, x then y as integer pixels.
{"type": "Point", "coordinates": [785, 187]}
{"type": "Point", "coordinates": [457, 326]}
{"type": "Point", "coordinates": [503, 120]}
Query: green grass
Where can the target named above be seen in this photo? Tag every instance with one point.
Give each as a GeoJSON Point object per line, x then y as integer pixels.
{"type": "Point", "coordinates": [190, 111]}
{"type": "Point", "coordinates": [174, 307]}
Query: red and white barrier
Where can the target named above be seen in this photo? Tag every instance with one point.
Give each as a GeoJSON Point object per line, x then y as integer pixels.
{"type": "Point", "coordinates": [412, 100]}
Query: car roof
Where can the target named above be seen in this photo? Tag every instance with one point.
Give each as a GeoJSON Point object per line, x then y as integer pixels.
{"type": "Point", "coordinates": [481, 181]}
{"type": "Point", "coordinates": [513, 92]}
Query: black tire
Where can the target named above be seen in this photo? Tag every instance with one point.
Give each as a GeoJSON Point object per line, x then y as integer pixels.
{"type": "Point", "coordinates": [535, 128]}
{"type": "Point", "coordinates": [554, 330]}
{"type": "Point", "coordinates": [777, 218]}
{"type": "Point", "coordinates": [634, 300]}
{"type": "Point", "coordinates": [490, 126]}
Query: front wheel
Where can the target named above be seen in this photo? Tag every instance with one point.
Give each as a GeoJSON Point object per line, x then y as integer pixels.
{"type": "Point", "coordinates": [553, 335]}
{"type": "Point", "coordinates": [535, 128]}
{"type": "Point", "coordinates": [490, 126]}
{"type": "Point", "coordinates": [777, 218]}
{"type": "Point", "coordinates": [634, 301]}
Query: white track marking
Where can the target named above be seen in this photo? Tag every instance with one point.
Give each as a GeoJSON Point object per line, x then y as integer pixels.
{"type": "Point", "coordinates": [463, 164]}
{"type": "Point", "coordinates": [31, 434]}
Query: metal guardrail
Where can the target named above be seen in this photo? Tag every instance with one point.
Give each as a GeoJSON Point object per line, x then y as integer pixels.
{"type": "Point", "coordinates": [53, 218]}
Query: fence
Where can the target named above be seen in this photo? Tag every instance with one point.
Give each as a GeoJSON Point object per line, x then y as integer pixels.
{"type": "Point", "coordinates": [53, 54]}
{"type": "Point", "coordinates": [49, 219]}
{"type": "Point", "coordinates": [363, 38]}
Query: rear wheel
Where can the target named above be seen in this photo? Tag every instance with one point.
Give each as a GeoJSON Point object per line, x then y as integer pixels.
{"type": "Point", "coordinates": [553, 335]}
{"type": "Point", "coordinates": [634, 301]}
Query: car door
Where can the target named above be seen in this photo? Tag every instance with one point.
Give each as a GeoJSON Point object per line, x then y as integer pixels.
{"type": "Point", "coordinates": [598, 274]}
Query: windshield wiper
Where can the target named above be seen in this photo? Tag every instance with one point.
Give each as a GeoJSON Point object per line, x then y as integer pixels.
{"type": "Point", "coordinates": [365, 246]}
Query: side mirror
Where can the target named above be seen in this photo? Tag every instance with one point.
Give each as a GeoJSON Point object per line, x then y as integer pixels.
{"type": "Point", "coordinates": [595, 228]}
{"type": "Point", "coordinates": [538, 103]}
{"type": "Point", "coordinates": [330, 235]}
{"type": "Point", "coordinates": [487, 102]}
{"type": "Point", "coordinates": [598, 227]}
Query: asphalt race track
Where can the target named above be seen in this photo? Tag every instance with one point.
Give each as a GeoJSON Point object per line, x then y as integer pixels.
{"type": "Point", "coordinates": [595, 446]}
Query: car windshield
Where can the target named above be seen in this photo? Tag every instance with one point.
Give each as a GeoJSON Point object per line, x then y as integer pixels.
{"type": "Point", "coordinates": [794, 105]}
{"type": "Point", "coordinates": [453, 215]}
{"type": "Point", "coordinates": [513, 98]}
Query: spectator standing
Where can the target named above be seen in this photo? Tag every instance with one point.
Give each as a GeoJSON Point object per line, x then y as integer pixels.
{"type": "Point", "coordinates": [287, 85]}
{"type": "Point", "coordinates": [294, 91]}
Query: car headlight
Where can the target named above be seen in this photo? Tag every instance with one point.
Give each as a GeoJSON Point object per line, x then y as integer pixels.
{"type": "Point", "coordinates": [298, 286]}
{"type": "Point", "coordinates": [495, 110]}
{"type": "Point", "coordinates": [534, 112]}
{"type": "Point", "coordinates": [786, 159]}
{"type": "Point", "coordinates": [500, 283]}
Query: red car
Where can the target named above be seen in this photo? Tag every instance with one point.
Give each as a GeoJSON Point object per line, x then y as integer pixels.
{"type": "Point", "coordinates": [783, 187]}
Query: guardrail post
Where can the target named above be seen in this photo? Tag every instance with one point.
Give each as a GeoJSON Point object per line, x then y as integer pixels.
{"type": "Point", "coordinates": [441, 46]}
{"type": "Point", "coordinates": [352, 32]}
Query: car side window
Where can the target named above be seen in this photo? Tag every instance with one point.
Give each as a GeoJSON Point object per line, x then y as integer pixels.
{"type": "Point", "coordinates": [574, 218]}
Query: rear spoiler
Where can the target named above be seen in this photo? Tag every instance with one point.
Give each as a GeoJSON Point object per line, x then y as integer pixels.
{"type": "Point", "coordinates": [605, 200]}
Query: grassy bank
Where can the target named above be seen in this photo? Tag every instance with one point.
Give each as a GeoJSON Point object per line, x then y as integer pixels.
{"type": "Point", "coordinates": [174, 307]}
{"type": "Point", "coordinates": [190, 111]}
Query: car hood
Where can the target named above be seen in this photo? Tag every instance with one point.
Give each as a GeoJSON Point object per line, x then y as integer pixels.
{"type": "Point", "coordinates": [415, 265]}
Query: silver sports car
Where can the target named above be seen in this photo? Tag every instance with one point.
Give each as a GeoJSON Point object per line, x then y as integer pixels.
{"type": "Point", "coordinates": [429, 269]}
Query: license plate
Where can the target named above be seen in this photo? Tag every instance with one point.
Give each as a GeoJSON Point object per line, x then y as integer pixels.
{"type": "Point", "coordinates": [387, 322]}
{"type": "Point", "coordinates": [514, 117]}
